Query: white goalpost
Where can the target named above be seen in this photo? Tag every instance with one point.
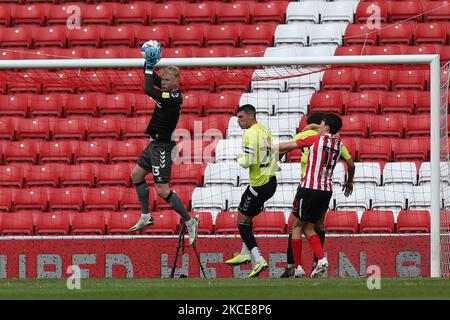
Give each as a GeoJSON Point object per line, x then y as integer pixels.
{"type": "Point", "coordinates": [437, 268]}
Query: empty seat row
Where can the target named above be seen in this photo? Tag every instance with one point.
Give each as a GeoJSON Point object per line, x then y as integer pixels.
{"type": "Point", "coordinates": [404, 33]}
{"type": "Point", "coordinates": [88, 174]}
{"type": "Point", "coordinates": [370, 101]}
{"type": "Point", "coordinates": [301, 34]}
{"type": "Point", "coordinates": [100, 104]}
{"type": "Point", "coordinates": [113, 80]}
{"type": "Point", "coordinates": [102, 151]}
{"type": "Point", "coordinates": [280, 126]}
{"type": "Point", "coordinates": [144, 13]}
{"type": "Point", "coordinates": [233, 35]}
{"type": "Point", "coordinates": [86, 199]}
{"type": "Point", "coordinates": [320, 12]}
{"type": "Point", "coordinates": [392, 11]}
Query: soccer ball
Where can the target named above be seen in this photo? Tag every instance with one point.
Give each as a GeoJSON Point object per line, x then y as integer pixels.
{"type": "Point", "coordinates": [150, 43]}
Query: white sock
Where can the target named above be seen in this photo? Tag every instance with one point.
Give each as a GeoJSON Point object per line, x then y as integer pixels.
{"type": "Point", "coordinates": [189, 222]}
{"type": "Point", "coordinates": [145, 216]}
{"type": "Point", "coordinates": [244, 249]}
{"type": "Point", "coordinates": [257, 254]}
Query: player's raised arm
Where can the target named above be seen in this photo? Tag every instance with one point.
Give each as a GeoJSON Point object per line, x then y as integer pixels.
{"type": "Point", "coordinates": [301, 143]}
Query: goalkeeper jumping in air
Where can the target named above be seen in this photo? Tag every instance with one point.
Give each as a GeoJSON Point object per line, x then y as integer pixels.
{"type": "Point", "coordinates": [157, 156]}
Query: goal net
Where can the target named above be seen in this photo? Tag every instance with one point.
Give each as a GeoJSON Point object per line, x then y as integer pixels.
{"type": "Point", "coordinates": [72, 131]}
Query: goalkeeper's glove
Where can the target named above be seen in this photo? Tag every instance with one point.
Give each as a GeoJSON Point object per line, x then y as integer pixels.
{"type": "Point", "coordinates": [152, 57]}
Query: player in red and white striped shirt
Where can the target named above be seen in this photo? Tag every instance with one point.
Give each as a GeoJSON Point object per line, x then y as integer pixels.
{"type": "Point", "coordinates": [315, 190]}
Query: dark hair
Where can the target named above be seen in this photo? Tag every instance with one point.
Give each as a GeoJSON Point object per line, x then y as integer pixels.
{"type": "Point", "coordinates": [315, 117]}
{"type": "Point", "coordinates": [247, 108]}
{"type": "Point", "coordinates": [333, 121]}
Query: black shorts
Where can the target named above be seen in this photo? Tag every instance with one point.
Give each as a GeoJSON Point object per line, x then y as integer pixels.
{"type": "Point", "coordinates": [310, 205]}
{"type": "Point", "coordinates": [157, 158]}
{"type": "Point", "coordinates": [253, 198]}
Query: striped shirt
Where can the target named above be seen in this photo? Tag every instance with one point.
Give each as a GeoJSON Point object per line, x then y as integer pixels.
{"type": "Point", "coordinates": [324, 153]}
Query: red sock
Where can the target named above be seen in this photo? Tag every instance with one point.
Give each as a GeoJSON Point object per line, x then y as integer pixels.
{"type": "Point", "coordinates": [297, 250]}
{"type": "Point", "coordinates": [316, 246]}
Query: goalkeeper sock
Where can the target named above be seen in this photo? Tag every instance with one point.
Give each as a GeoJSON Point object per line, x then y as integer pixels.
{"type": "Point", "coordinates": [297, 250]}
{"type": "Point", "coordinates": [321, 233]}
{"type": "Point", "coordinates": [290, 256]}
{"type": "Point", "coordinates": [314, 242]}
{"type": "Point", "coordinates": [142, 193]}
{"type": "Point", "coordinates": [176, 204]}
{"type": "Point", "coordinates": [245, 230]}
{"type": "Point", "coordinates": [244, 249]}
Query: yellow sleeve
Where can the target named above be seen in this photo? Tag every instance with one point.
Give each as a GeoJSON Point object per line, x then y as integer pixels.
{"type": "Point", "coordinates": [249, 145]}
{"type": "Point", "coordinates": [345, 154]}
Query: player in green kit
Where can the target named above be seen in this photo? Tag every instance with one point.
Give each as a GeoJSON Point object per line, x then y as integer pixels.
{"type": "Point", "coordinates": [262, 164]}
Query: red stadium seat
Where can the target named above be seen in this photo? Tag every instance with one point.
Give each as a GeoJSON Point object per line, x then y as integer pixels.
{"type": "Point", "coordinates": [14, 105]}
{"type": "Point", "coordinates": [432, 32]}
{"type": "Point", "coordinates": [89, 223]}
{"type": "Point", "coordinates": [373, 79]}
{"type": "Point", "coordinates": [122, 35]}
{"type": "Point", "coordinates": [74, 128]}
{"type": "Point", "coordinates": [223, 103]}
{"type": "Point", "coordinates": [126, 80]}
{"type": "Point", "coordinates": [55, 151]}
{"type": "Point", "coordinates": [168, 12]}
{"type": "Point", "coordinates": [354, 125]}
{"type": "Point", "coordinates": [99, 13]}
{"type": "Point", "coordinates": [11, 175]}
{"type": "Point", "coordinates": [403, 10]}
{"type": "Point", "coordinates": [352, 50]}
{"type": "Point", "coordinates": [119, 222]}
{"type": "Point", "coordinates": [339, 79]}
{"type": "Point", "coordinates": [196, 150]}
{"type": "Point", "coordinates": [248, 51]}
{"type": "Point", "coordinates": [390, 49]}
{"type": "Point", "coordinates": [259, 34]}
{"type": "Point", "coordinates": [78, 175]}
{"type": "Point", "coordinates": [112, 104]}
{"type": "Point", "coordinates": [367, 102]}
{"type": "Point", "coordinates": [375, 149]}
{"type": "Point", "coordinates": [85, 36]}
{"type": "Point", "coordinates": [53, 223]}
{"type": "Point", "coordinates": [186, 123]}
{"type": "Point", "coordinates": [90, 151]}
{"type": "Point", "coordinates": [103, 128]}
{"type": "Point", "coordinates": [409, 79]}
{"type": "Point", "coordinates": [192, 103]}
{"type": "Point", "coordinates": [362, 34]}
{"type": "Point", "coordinates": [107, 53]}
{"type": "Point", "coordinates": [212, 52]}
{"type": "Point", "coordinates": [6, 198]}
{"type": "Point", "coordinates": [28, 14]}
{"type": "Point", "coordinates": [16, 37]}
{"type": "Point", "coordinates": [423, 49]}
{"type": "Point", "coordinates": [180, 52]}
{"type": "Point", "coordinates": [13, 55]}
{"type": "Point", "coordinates": [142, 104]}
{"type": "Point", "coordinates": [19, 223]}
{"type": "Point", "coordinates": [130, 201]}
{"type": "Point", "coordinates": [7, 127]}
{"type": "Point", "coordinates": [61, 80]}
{"type": "Point", "coordinates": [397, 101]}
{"type": "Point", "coordinates": [134, 128]}
{"type": "Point", "coordinates": [377, 222]}
{"type": "Point", "coordinates": [199, 79]}
{"type": "Point", "coordinates": [269, 222]}
{"type": "Point", "coordinates": [417, 125]}
{"type": "Point", "coordinates": [52, 36]}
{"type": "Point", "coordinates": [45, 105]}
{"type": "Point", "coordinates": [129, 150]}
{"type": "Point", "coordinates": [85, 104]}
{"type": "Point", "coordinates": [5, 15]}
{"type": "Point", "coordinates": [59, 13]}
{"type": "Point", "coordinates": [113, 174]}
{"type": "Point", "coordinates": [374, 11]}
{"type": "Point", "coordinates": [233, 12]}
{"type": "Point", "coordinates": [423, 102]}
{"type": "Point", "coordinates": [184, 192]}
{"type": "Point", "coordinates": [165, 222]}
{"type": "Point", "coordinates": [212, 126]}
{"type": "Point", "coordinates": [135, 12]}
{"type": "Point", "coordinates": [238, 79]}
{"type": "Point", "coordinates": [226, 34]}
{"type": "Point", "coordinates": [395, 33]}
{"type": "Point", "coordinates": [20, 151]}
{"type": "Point", "coordinates": [412, 149]}
{"type": "Point", "coordinates": [206, 224]}
{"type": "Point", "coordinates": [341, 222]}
{"type": "Point", "coordinates": [103, 198]}
{"type": "Point", "coordinates": [411, 221]}
{"type": "Point", "coordinates": [187, 174]}
{"type": "Point", "coordinates": [32, 198]}
{"type": "Point", "coordinates": [226, 223]}
{"type": "Point", "coordinates": [386, 126]}
{"type": "Point", "coordinates": [36, 128]}
{"type": "Point", "coordinates": [436, 11]}
{"type": "Point", "coordinates": [352, 144]}
{"type": "Point", "coordinates": [327, 101]}
{"type": "Point", "coordinates": [42, 175]}
{"type": "Point", "coordinates": [268, 12]}
{"type": "Point", "coordinates": [188, 35]}
{"type": "Point", "coordinates": [204, 12]}
{"type": "Point", "coordinates": [160, 33]}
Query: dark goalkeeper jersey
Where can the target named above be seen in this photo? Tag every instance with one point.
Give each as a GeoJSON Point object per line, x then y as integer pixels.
{"type": "Point", "coordinates": [167, 111]}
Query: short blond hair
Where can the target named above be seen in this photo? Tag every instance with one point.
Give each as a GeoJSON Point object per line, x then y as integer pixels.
{"type": "Point", "coordinates": [173, 70]}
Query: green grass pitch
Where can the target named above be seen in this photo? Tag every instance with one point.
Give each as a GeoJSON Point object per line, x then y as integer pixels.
{"type": "Point", "coordinates": [227, 289]}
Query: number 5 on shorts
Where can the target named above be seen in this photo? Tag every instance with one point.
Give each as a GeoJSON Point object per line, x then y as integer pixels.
{"type": "Point", "coordinates": [155, 170]}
